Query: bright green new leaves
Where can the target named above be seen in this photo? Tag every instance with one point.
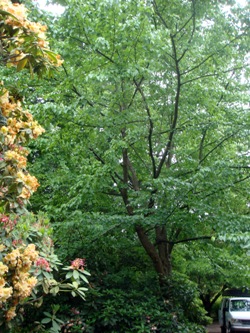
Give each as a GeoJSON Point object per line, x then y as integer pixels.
{"type": "Point", "coordinates": [149, 121]}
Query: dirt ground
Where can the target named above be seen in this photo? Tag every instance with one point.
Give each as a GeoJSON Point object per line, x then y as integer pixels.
{"type": "Point", "coordinates": [214, 328]}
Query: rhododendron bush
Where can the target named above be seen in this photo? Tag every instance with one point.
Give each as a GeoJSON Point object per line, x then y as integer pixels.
{"type": "Point", "coordinates": [27, 259]}
{"type": "Point", "coordinates": [23, 42]}
{"type": "Point", "coordinates": [17, 184]}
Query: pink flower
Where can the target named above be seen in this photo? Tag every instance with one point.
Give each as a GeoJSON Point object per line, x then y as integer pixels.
{"type": "Point", "coordinates": [7, 222]}
{"type": "Point", "coordinates": [43, 264]}
{"type": "Point", "coordinates": [78, 263]}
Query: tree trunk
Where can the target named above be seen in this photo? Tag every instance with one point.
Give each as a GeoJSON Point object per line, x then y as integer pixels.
{"type": "Point", "coordinates": [160, 253]}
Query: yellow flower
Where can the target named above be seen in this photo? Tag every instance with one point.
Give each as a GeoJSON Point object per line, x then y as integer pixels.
{"type": "Point", "coordinates": [10, 314]}
{"type": "Point", "coordinates": [25, 194]}
{"type": "Point", "coordinates": [3, 268]}
{"type": "Point", "coordinates": [4, 129]}
{"type": "Point", "coordinates": [31, 252]}
{"type": "Point", "coordinates": [12, 258]}
{"type": "Point", "coordinates": [4, 97]}
{"type": "Point", "coordinates": [59, 60]}
{"type": "Point", "coordinates": [5, 293]}
{"type": "Point", "coordinates": [36, 129]}
{"type": "Point", "coordinates": [2, 247]}
{"type": "Point", "coordinates": [23, 288]}
{"type": "Point", "coordinates": [32, 281]}
{"type": "Point", "coordinates": [11, 155]}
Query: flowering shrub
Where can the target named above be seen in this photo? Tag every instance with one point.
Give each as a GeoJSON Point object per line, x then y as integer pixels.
{"type": "Point", "coordinates": [24, 42]}
{"type": "Point", "coordinates": [28, 265]}
{"type": "Point", "coordinates": [27, 260]}
{"type": "Point", "coordinates": [16, 273]}
{"type": "Point", "coordinates": [16, 184]}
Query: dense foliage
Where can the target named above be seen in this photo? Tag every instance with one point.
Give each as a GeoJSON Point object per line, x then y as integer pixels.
{"type": "Point", "coordinates": [149, 122]}
{"type": "Point", "coordinates": [144, 165]}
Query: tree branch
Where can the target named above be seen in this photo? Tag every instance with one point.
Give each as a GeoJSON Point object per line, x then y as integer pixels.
{"type": "Point", "coordinates": [211, 55]}
{"type": "Point", "coordinates": [202, 145]}
{"type": "Point", "coordinates": [105, 56]}
{"type": "Point", "coordinates": [211, 74]}
{"type": "Point", "coordinates": [151, 128]}
{"type": "Point", "coordinates": [216, 146]}
{"type": "Point", "coordinates": [176, 110]}
{"type": "Point", "coordinates": [192, 239]}
{"type": "Point", "coordinates": [158, 13]}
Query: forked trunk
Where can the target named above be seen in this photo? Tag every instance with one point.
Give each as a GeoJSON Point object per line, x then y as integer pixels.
{"type": "Point", "coordinates": [160, 252]}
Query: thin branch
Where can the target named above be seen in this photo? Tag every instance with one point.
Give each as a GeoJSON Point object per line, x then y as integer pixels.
{"type": "Point", "coordinates": [88, 43]}
{"type": "Point", "coordinates": [223, 188]}
{"type": "Point", "coordinates": [159, 14]}
{"type": "Point", "coordinates": [176, 111]}
{"type": "Point", "coordinates": [184, 26]}
{"type": "Point", "coordinates": [103, 163]}
{"type": "Point", "coordinates": [240, 167]}
{"type": "Point", "coordinates": [134, 178]}
{"type": "Point", "coordinates": [135, 92]}
{"type": "Point", "coordinates": [191, 239]}
{"type": "Point", "coordinates": [211, 55]}
{"type": "Point", "coordinates": [105, 56]}
{"type": "Point", "coordinates": [194, 22]}
{"type": "Point", "coordinates": [200, 77]}
{"type": "Point", "coordinates": [212, 74]}
{"type": "Point", "coordinates": [216, 146]}
{"type": "Point", "coordinates": [151, 128]}
{"type": "Point", "coordinates": [226, 86]}
{"type": "Point", "coordinates": [202, 145]}
{"type": "Point", "coordinates": [186, 240]}
{"type": "Point", "coordinates": [100, 236]}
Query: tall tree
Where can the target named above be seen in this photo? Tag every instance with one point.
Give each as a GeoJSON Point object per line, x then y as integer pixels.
{"type": "Point", "coordinates": [151, 118]}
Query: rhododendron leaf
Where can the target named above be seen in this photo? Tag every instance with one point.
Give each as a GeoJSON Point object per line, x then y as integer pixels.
{"type": "Point", "coordinates": [84, 278]}
{"type": "Point", "coordinates": [75, 274]}
{"type": "Point", "coordinates": [47, 314]}
{"type": "Point", "coordinates": [47, 275]}
{"type": "Point", "coordinates": [22, 63]}
{"type": "Point", "coordinates": [69, 275]}
{"type": "Point", "coordinates": [75, 284]}
{"type": "Point", "coordinates": [46, 320]}
{"type": "Point", "coordinates": [86, 273]}
{"type": "Point", "coordinates": [51, 54]}
{"type": "Point", "coordinates": [4, 13]}
{"type": "Point", "coordinates": [55, 290]}
{"type": "Point", "coordinates": [45, 288]}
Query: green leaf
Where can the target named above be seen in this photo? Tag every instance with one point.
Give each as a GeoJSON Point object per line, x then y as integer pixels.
{"type": "Point", "coordinates": [69, 275]}
{"type": "Point", "coordinates": [22, 63]}
{"type": "Point", "coordinates": [75, 284]}
{"type": "Point", "coordinates": [86, 273]}
{"type": "Point", "coordinates": [46, 320]}
{"type": "Point", "coordinates": [84, 278]}
{"type": "Point", "coordinates": [75, 274]}
{"type": "Point", "coordinates": [4, 13]}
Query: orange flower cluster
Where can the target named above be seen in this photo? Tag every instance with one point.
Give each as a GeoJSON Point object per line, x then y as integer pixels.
{"type": "Point", "coordinates": [23, 44]}
{"type": "Point", "coordinates": [20, 128]}
{"type": "Point", "coordinates": [28, 43]}
{"type": "Point", "coordinates": [15, 268]}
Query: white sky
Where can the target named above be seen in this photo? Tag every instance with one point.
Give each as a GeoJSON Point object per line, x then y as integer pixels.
{"type": "Point", "coordinates": [57, 9]}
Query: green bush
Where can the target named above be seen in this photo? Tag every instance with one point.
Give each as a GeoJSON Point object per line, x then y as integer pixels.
{"type": "Point", "coordinates": [145, 310]}
{"type": "Point", "coordinates": [183, 293]}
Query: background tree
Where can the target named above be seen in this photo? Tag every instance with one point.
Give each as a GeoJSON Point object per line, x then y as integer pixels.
{"type": "Point", "coordinates": [152, 120]}
{"type": "Point", "coordinates": [214, 266]}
